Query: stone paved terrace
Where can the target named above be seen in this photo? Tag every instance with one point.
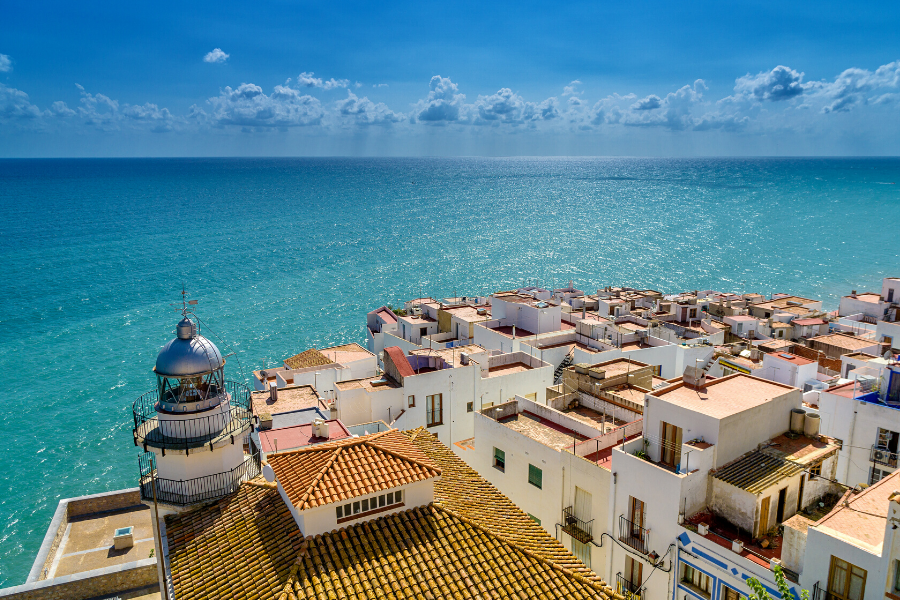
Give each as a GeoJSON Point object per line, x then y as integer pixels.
{"type": "Point", "coordinates": [548, 433]}
{"type": "Point", "coordinates": [88, 541]}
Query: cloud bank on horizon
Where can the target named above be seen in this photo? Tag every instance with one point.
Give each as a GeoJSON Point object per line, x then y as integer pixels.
{"type": "Point", "coordinates": [771, 101]}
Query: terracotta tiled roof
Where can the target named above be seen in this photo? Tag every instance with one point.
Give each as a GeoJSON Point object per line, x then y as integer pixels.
{"type": "Point", "coordinates": [309, 358]}
{"type": "Point", "coordinates": [242, 546]}
{"type": "Point", "coordinates": [467, 494]}
{"type": "Point", "coordinates": [348, 468]}
{"type": "Point", "coordinates": [400, 361]}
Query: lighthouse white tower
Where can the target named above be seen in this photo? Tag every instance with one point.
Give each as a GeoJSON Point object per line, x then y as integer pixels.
{"type": "Point", "coordinates": [193, 426]}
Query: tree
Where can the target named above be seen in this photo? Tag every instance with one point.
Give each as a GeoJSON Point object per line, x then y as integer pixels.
{"type": "Point", "coordinates": [759, 592]}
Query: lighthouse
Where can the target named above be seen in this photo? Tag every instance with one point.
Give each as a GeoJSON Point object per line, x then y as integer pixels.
{"type": "Point", "coordinates": [194, 426]}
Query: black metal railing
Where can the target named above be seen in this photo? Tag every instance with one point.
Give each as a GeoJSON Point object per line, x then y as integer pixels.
{"type": "Point", "coordinates": [883, 456]}
{"type": "Point", "coordinates": [583, 531]}
{"type": "Point", "coordinates": [631, 591]}
{"type": "Point", "coordinates": [634, 535]}
{"type": "Point", "coordinates": [174, 432]}
{"type": "Point", "coordinates": [820, 592]}
{"type": "Point", "coordinates": [199, 489]}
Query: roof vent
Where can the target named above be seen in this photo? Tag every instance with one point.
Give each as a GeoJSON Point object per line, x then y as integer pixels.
{"type": "Point", "coordinates": [694, 378]}
{"type": "Point", "coordinates": [320, 428]}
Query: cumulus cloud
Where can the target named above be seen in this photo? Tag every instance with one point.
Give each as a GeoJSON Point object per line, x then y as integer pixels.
{"type": "Point", "coordinates": [851, 87]}
{"type": "Point", "coordinates": [781, 83]}
{"type": "Point", "coordinates": [649, 103]}
{"type": "Point", "coordinates": [310, 81]}
{"type": "Point", "coordinates": [15, 105]}
{"type": "Point", "coordinates": [365, 112]}
{"type": "Point", "coordinates": [443, 102]}
{"type": "Point", "coordinates": [216, 55]}
{"type": "Point", "coordinates": [247, 106]}
{"type": "Point", "coordinates": [570, 89]}
{"type": "Point", "coordinates": [5, 63]}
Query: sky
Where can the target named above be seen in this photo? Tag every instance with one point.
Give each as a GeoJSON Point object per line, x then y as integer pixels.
{"type": "Point", "coordinates": [282, 78]}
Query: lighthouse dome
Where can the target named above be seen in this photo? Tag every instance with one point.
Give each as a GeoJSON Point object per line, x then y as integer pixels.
{"type": "Point", "coordinates": [188, 354]}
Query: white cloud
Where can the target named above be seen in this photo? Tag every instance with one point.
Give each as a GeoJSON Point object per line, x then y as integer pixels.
{"type": "Point", "coordinates": [309, 80]}
{"type": "Point", "coordinates": [649, 103]}
{"type": "Point", "coordinates": [15, 105]}
{"type": "Point", "coordinates": [570, 89]}
{"type": "Point", "coordinates": [247, 106]}
{"type": "Point", "coordinates": [5, 63]}
{"type": "Point", "coordinates": [379, 85]}
{"type": "Point", "coordinates": [443, 102]}
{"type": "Point", "coordinates": [365, 112]}
{"type": "Point", "coordinates": [216, 56]}
{"type": "Point", "coordinates": [781, 83]}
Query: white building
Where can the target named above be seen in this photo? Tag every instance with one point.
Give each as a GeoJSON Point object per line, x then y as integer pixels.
{"type": "Point", "coordinates": [787, 368]}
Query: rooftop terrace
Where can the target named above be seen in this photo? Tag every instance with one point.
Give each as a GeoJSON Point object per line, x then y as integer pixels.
{"type": "Point", "coordinates": [725, 396]}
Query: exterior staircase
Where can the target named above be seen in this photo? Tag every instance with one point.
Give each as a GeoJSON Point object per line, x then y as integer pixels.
{"type": "Point", "coordinates": [566, 362]}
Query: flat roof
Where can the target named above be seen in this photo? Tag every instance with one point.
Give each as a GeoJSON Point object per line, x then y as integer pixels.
{"type": "Point", "coordinates": [370, 384]}
{"type": "Point", "coordinates": [840, 340]}
{"type": "Point", "coordinates": [452, 356]}
{"type": "Point", "coordinates": [509, 369]}
{"type": "Point", "coordinates": [725, 396]}
{"type": "Point", "coordinates": [617, 366]}
{"type": "Point", "coordinates": [521, 299]}
{"type": "Point", "coordinates": [290, 398]}
{"type": "Point", "coordinates": [862, 522]}
{"type": "Point", "coordinates": [791, 358]}
{"type": "Point", "coordinates": [470, 313]}
{"type": "Point", "coordinates": [783, 302]}
{"type": "Point", "coordinates": [867, 297]}
{"type": "Point", "coordinates": [346, 353]}
{"type": "Point", "coordinates": [740, 318]}
{"type": "Point", "coordinates": [546, 432]}
{"type": "Point", "coordinates": [299, 436]}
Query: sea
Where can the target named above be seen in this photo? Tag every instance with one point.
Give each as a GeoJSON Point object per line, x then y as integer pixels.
{"type": "Point", "coordinates": [287, 254]}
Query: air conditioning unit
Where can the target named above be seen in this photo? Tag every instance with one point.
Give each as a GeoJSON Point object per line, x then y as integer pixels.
{"type": "Point", "coordinates": [880, 455]}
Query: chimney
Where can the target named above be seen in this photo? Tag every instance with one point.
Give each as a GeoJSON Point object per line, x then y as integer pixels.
{"type": "Point", "coordinates": [320, 428]}
{"type": "Point", "coordinates": [273, 393]}
{"type": "Point", "coordinates": [853, 294]}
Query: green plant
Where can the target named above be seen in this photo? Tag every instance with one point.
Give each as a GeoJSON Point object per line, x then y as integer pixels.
{"type": "Point", "coordinates": [152, 550]}
{"type": "Point", "coordinates": [642, 455]}
{"type": "Point", "coordinates": [759, 592]}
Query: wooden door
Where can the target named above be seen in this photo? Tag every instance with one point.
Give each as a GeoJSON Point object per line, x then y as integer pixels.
{"type": "Point", "coordinates": [633, 572]}
{"type": "Point", "coordinates": [763, 517]}
{"type": "Point", "coordinates": [583, 503]}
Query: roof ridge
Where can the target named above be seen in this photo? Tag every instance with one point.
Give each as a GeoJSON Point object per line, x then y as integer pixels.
{"type": "Point", "coordinates": [395, 454]}
{"type": "Point", "coordinates": [328, 446]}
{"type": "Point", "coordinates": [320, 475]}
{"type": "Point", "coordinates": [598, 584]}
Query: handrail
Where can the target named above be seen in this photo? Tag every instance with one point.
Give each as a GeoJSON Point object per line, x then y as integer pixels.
{"type": "Point", "coordinates": [577, 528]}
{"type": "Point", "coordinates": [199, 489]}
{"type": "Point", "coordinates": [630, 590]}
{"type": "Point", "coordinates": [179, 433]}
{"type": "Point", "coordinates": [634, 535]}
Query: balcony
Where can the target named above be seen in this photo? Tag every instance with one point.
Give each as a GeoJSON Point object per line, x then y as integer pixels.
{"type": "Point", "coordinates": [631, 591]}
{"type": "Point", "coordinates": [175, 431]}
{"type": "Point", "coordinates": [820, 592]}
{"type": "Point", "coordinates": [634, 535]}
{"type": "Point", "coordinates": [883, 456]}
{"type": "Point", "coordinates": [575, 527]}
{"type": "Point", "coordinates": [193, 491]}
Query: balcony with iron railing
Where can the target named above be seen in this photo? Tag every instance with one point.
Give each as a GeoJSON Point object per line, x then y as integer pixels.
{"type": "Point", "coordinates": [577, 528]}
{"type": "Point", "coordinates": [197, 490]}
{"type": "Point", "coordinates": [631, 591]}
{"type": "Point", "coordinates": [820, 592]}
{"type": "Point", "coordinates": [882, 456]}
{"type": "Point", "coordinates": [634, 535]}
{"type": "Point", "coordinates": [158, 428]}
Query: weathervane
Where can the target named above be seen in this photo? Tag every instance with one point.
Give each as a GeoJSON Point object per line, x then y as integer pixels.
{"type": "Point", "coordinates": [184, 302]}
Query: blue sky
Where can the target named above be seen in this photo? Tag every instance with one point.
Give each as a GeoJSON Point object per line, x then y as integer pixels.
{"type": "Point", "coordinates": [466, 78]}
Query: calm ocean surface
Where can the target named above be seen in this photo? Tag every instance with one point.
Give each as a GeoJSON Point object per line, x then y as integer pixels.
{"type": "Point", "coordinates": [285, 254]}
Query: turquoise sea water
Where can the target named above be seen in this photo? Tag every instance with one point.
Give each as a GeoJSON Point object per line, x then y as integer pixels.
{"type": "Point", "coordinates": [285, 254]}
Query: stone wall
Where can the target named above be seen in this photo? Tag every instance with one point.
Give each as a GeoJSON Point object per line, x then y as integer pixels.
{"type": "Point", "coordinates": [102, 582]}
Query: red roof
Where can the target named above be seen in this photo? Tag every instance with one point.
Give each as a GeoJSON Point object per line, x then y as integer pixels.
{"type": "Point", "coordinates": [797, 360]}
{"type": "Point", "coordinates": [298, 436]}
{"type": "Point", "coordinates": [386, 314]}
{"type": "Point", "coordinates": [808, 322]}
{"type": "Point", "coordinates": [400, 361]}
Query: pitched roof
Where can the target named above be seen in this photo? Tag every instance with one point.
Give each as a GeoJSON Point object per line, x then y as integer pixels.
{"type": "Point", "coordinates": [784, 457]}
{"type": "Point", "coordinates": [400, 361]}
{"type": "Point", "coordinates": [862, 520]}
{"type": "Point", "coordinates": [348, 468]}
{"type": "Point", "coordinates": [242, 546]}
{"type": "Point", "coordinates": [308, 358]}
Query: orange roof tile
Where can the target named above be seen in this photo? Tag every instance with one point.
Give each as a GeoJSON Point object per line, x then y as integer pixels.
{"type": "Point", "coordinates": [400, 361]}
{"type": "Point", "coordinates": [308, 358]}
{"type": "Point", "coordinates": [348, 468]}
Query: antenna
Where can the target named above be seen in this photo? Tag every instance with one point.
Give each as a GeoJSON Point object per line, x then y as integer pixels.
{"type": "Point", "coordinates": [184, 303]}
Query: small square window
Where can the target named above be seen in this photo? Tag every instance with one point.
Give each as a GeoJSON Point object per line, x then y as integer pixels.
{"type": "Point", "coordinates": [499, 459]}
{"type": "Point", "coordinates": [340, 511]}
{"type": "Point", "coordinates": [469, 406]}
{"type": "Point", "coordinates": [365, 505]}
{"type": "Point", "coordinates": [348, 510]}
{"type": "Point", "coordinates": [381, 500]}
{"type": "Point", "coordinates": [390, 498]}
{"type": "Point", "coordinates": [412, 401]}
{"type": "Point", "coordinates": [356, 508]}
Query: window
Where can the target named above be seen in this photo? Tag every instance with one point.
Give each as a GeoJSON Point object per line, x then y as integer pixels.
{"type": "Point", "coordinates": [815, 470]}
{"type": "Point", "coordinates": [696, 580]}
{"type": "Point", "coordinates": [535, 476]}
{"type": "Point", "coordinates": [499, 459]}
{"type": "Point", "coordinates": [887, 439]}
{"type": "Point", "coordinates": [877, 475]}
{"type": "Point", "coordinates": [411, 401]}
{"type": "Point", "coordinates": [582, 552]}
{"type": "Point", "coordinates": [534, 518]}
{"type": "Point", "coordinates": [846, 581]}
{"type": "Point", "coordinates": [360, 508]}
{"type": "Point", "coordinates": [729, 594]}
{"type": "Point", "coordinates": [469, 406]}
{"type": "Point", "coordinates": [435, 410]}
{"type": "Point", "coordinates": [896, 577]}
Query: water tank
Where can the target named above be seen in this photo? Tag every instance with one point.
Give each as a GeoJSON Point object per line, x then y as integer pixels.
{"type": "Point", "coordinates": [811, 425]}
{"type": "Point", "coordinates": [797, 419]}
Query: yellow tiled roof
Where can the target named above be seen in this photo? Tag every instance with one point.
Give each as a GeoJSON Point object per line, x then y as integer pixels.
{"type": "Point", "coordinates": [351, 467]}
{"type": "Point", "coordinates": [242, 546]}
{"type": "Point", "coordinates": [309, 358]}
